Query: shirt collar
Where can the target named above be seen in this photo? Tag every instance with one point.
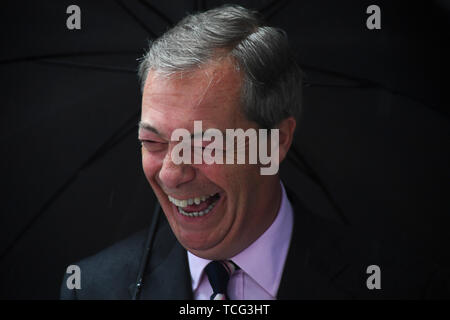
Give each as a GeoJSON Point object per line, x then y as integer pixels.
{"type": "Point", "coordinates": [264, 259]}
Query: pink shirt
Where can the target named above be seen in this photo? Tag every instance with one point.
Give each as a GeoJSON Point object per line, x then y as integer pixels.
{"type": "Point", "coordinates": [261, 263]}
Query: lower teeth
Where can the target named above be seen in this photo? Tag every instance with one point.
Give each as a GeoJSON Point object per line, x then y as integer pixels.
{"type": "Point", "coordinates": [197, 214]}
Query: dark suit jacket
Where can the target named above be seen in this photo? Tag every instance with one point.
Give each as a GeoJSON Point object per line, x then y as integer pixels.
{"type": "Point", "coordinates": [326, 260]}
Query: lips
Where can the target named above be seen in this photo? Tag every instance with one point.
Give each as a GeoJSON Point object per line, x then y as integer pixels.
{"type": "Point", "coordinates": [195, 207]}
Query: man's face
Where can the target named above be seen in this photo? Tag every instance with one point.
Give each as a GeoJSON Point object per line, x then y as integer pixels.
{"type": "Point", "coordinates": [244, 202]}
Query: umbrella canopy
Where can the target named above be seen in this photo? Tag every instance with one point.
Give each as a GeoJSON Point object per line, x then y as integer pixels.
{"type": "Point", "coordinates": [371, 149]}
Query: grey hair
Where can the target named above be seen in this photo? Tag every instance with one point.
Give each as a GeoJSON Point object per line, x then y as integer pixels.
{"type": "Point", "coordinates": [271, 89]}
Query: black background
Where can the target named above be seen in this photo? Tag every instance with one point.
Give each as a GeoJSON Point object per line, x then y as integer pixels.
{"type": "Point", "coordinates": [374, 132]}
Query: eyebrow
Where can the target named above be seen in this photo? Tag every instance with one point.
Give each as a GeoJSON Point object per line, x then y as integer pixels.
{"type": "Point", "coordinates": [148, 127]}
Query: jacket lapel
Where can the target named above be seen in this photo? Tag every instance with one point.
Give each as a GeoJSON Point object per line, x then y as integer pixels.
{"type": "Point", "coordinates": [315, 258]}
{"type": "Point", "coordinates": [171, 279]}
{"type": "Point", "coordinates": [167, 276]}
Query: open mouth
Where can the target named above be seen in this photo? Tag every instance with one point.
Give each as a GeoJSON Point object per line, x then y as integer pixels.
{"type": "Point", "coordinates": [196, 207]}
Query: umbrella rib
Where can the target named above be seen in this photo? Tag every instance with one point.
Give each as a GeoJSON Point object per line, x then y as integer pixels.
{"type": "Point", "coordinates": [157, 12]}
{"type": "Point", "coordinates": [331, 85]}
{"type": "Point", "coordinates": [366, 83]}
{"type": "Point", "coordinates": [64, 55]}
{"type": "Point", "coordinates": [135, 18]}
{"type": "Point", "coordinates": [199, 5]}
{"type": "Point", "coordinates": [312, 174]}
{"type": "Point", "coordinates": [89, 66]}
{"type": "Point", "coordinates": [113, 140]}
{"type": "Point", "coordinates": [275, 6]}
{"type": "Point", "coordinates": [363, 81]}
{"type": "Point", "coordinates": [148, 247]}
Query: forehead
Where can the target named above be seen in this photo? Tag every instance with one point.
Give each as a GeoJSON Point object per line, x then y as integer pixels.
{"type": "Point", "coordinates": [210, 93]}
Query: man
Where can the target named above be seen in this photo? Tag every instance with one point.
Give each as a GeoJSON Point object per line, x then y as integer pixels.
{"type": "Point", "coordinates": [228, 231]}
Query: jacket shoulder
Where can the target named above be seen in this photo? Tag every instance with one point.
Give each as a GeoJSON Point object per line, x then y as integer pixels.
{"type": "Point", "coordinates": [108, 273]}
{"type": "Point", "coordinates": [345, 258]}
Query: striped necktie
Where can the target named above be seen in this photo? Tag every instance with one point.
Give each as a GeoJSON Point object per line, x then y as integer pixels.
{"type": "Point", "coordinates": [219, 273]}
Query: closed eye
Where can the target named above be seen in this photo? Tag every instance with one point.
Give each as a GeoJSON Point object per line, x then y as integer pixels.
{"type": "Point", "coordinates": [153, 146]}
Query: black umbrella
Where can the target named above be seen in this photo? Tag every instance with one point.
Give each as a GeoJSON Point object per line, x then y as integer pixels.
{"type": "Point", "coordinates": [371, 149]}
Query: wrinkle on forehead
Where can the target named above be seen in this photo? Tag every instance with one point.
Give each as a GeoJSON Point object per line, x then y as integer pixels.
{"type": "Point", "coordinates": [210, 75]}
{"type": "Point", "coordinates": [214, 78]}
{"type": "Point", "coordinates": [208, 89]}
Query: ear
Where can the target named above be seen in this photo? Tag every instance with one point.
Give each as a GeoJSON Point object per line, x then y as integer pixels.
{"type": "Point", "coordinates": [286, 135]}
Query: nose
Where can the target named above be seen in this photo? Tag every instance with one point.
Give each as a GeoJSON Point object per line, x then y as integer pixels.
{"type": "Point", "coordinates": [173, 175]}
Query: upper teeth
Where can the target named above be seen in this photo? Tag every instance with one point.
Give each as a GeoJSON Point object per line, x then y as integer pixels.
{"type": "Point", "coordinates": [188, 202]}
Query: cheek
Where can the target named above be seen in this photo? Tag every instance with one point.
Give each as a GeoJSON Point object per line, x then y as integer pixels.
{"type": "Point", "coordinates": [150, 165]}
{"type": "Point", "coordinates": [215, 173]}
{"type": "Point", "coordinates": [229, 177]}
{"type": "Point", "coordinates": [243, 180]}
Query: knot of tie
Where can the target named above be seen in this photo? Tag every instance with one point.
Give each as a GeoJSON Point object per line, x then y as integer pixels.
{"type": "Point", "coordinates": [219, 273]}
